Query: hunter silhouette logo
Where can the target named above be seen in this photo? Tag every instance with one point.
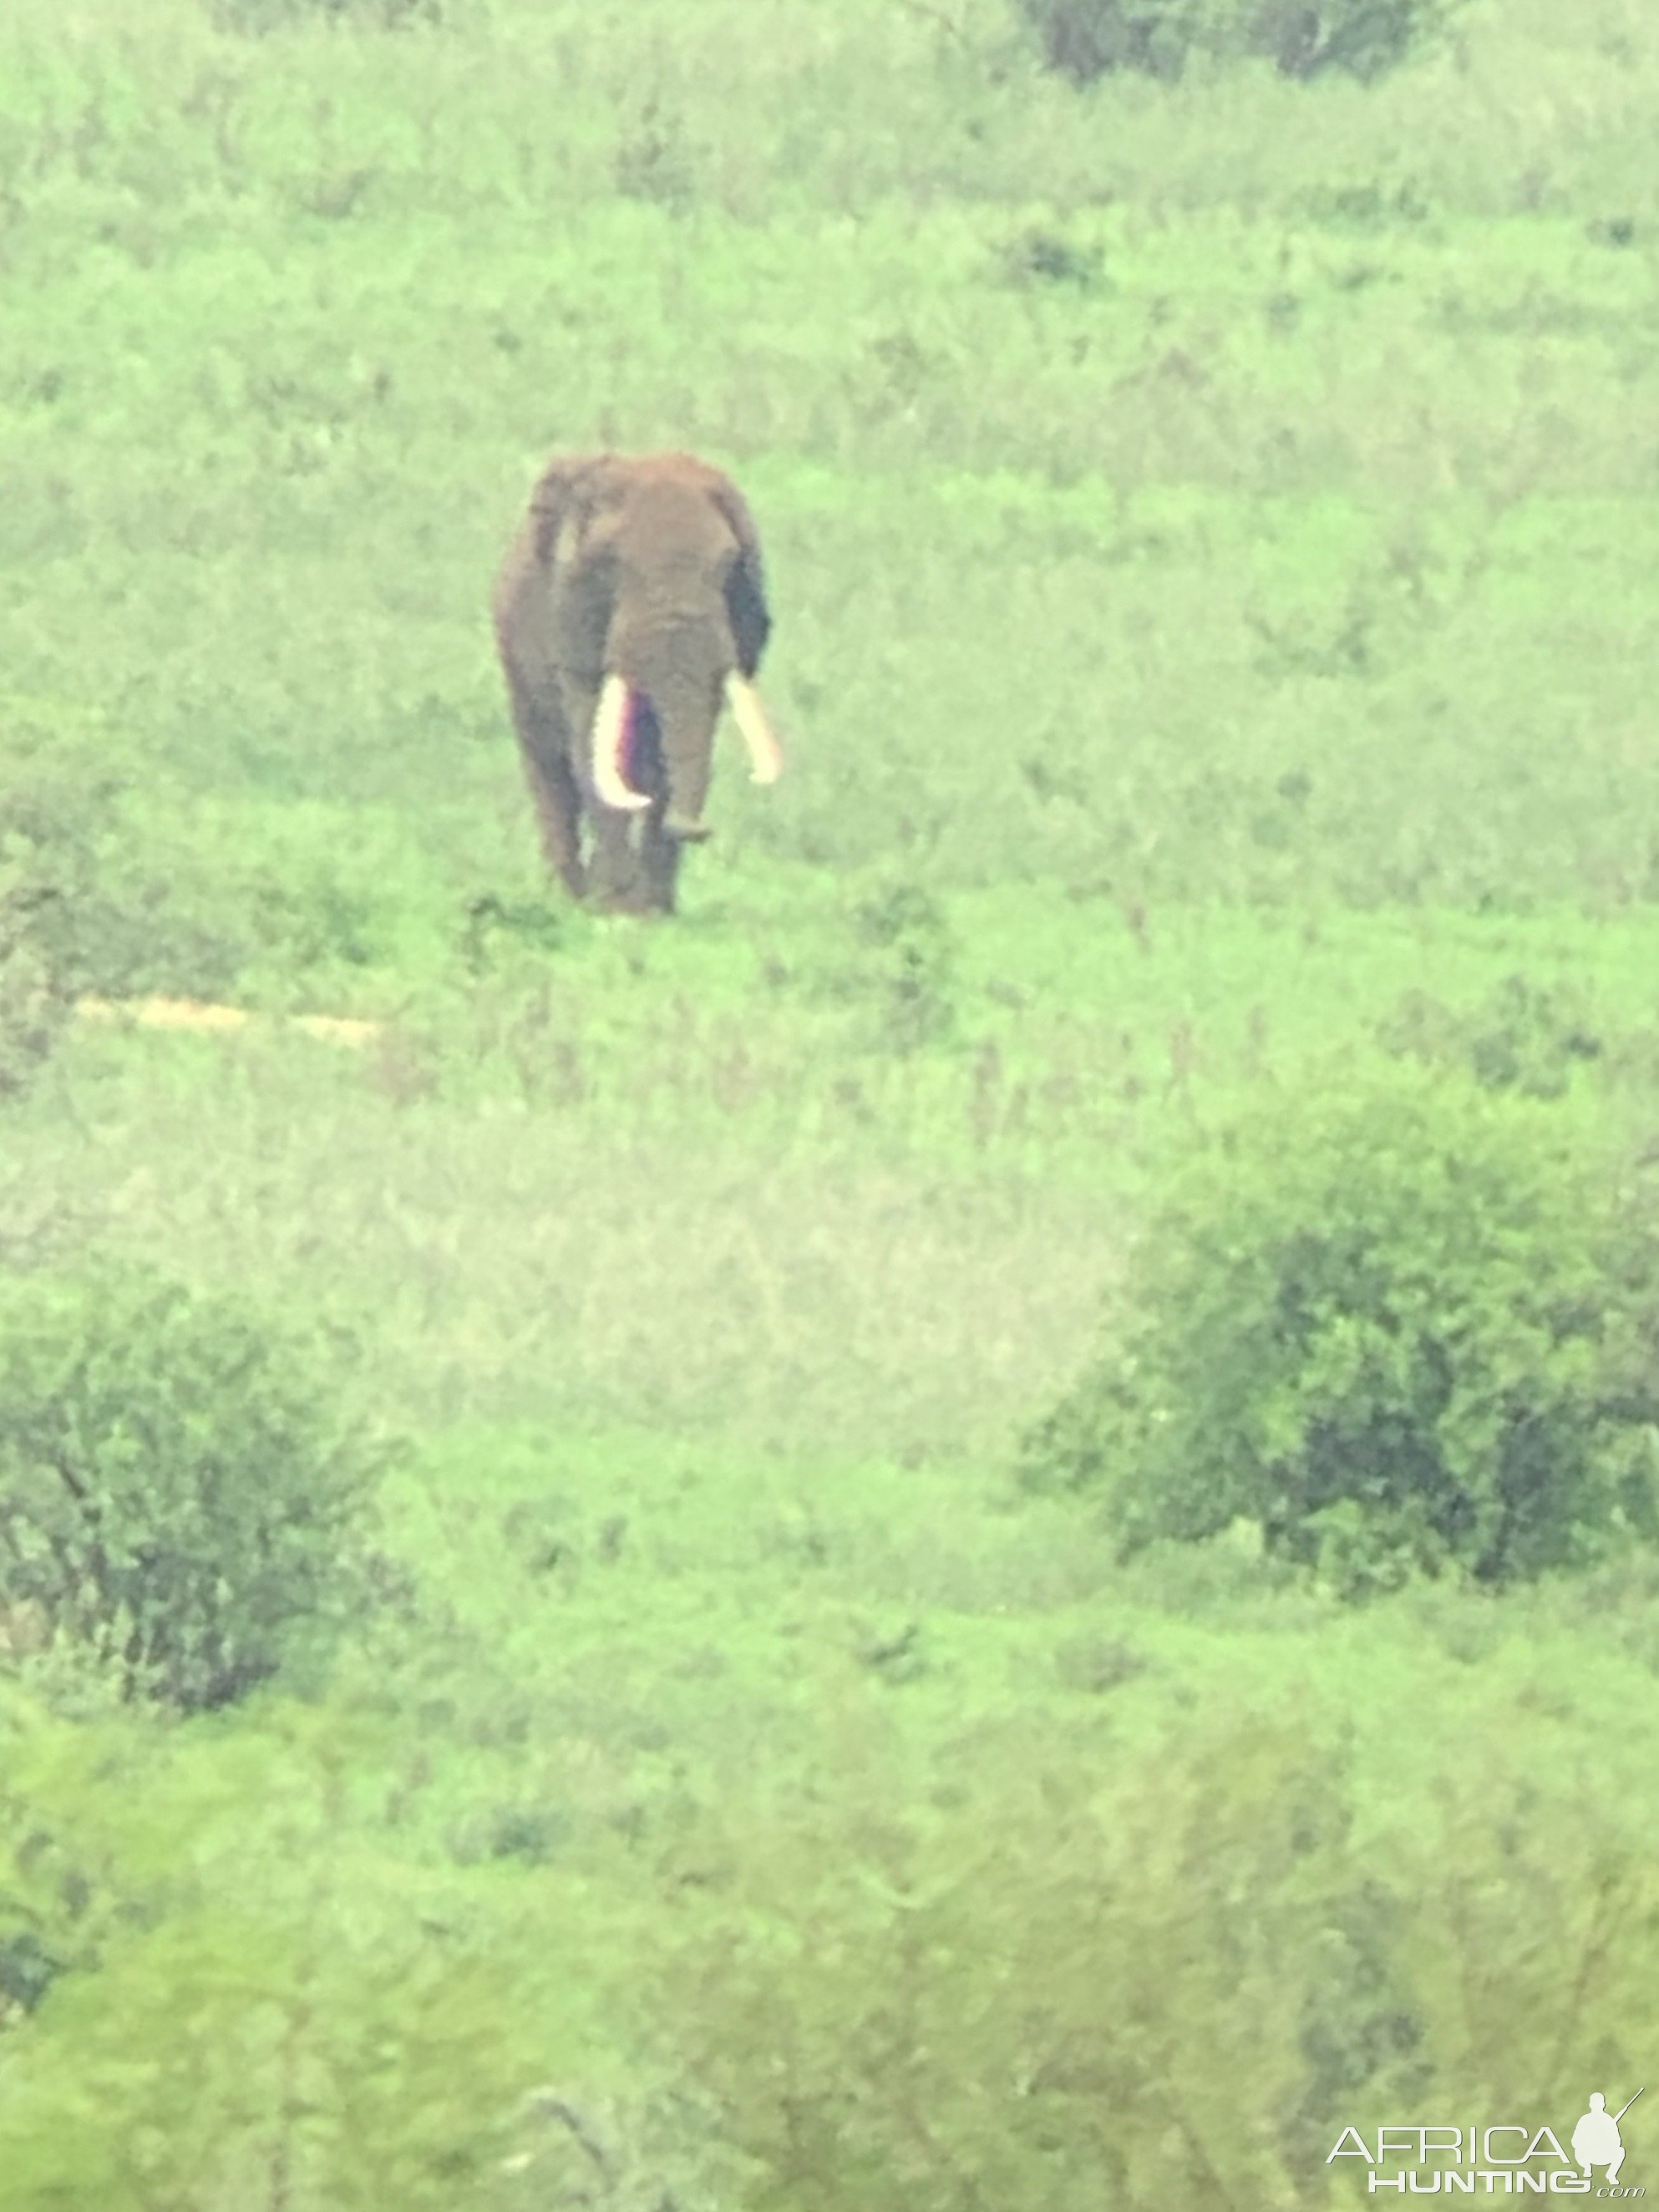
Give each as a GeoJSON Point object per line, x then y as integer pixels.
{"type": "Point", "coordinates": [1596, 2139]}
{"type": "Point", "coordinates": [1512, 2160]}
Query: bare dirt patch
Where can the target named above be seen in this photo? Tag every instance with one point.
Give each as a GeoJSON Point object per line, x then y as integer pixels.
{"type": "Point", "coordinates": [164, 1013]}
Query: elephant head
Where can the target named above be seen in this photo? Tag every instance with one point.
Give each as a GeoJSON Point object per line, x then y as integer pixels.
{"type": "Point", "coordinates": [630, 608]}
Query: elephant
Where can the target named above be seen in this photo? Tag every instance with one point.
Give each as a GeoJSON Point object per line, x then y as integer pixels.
{"type": "Point", "coordinates": [629, 605]}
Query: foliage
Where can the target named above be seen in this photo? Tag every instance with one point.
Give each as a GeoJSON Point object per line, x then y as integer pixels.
{"type": "Point", "coordinates": [116, 891]}
{"type": "Point", "coordinates": [1397, 1324]}
{"type": "Point", "coordinates": [1522, 1036]}
{"type": "Point", "coordinates": [491, 923]}
{"type": "Point", "coordinates": [257, 18]}
{"type": "Point", "coordinates": [1003, 2002]}
{"type": "Point", "coordinates": [297, 2065]}
{"type": "Point", "coordinates": [302, 2034]}
{"type": "Point", "coordinates": [1085, 39]}
{"type": "Point", "coordinates": [55, 789]}
{"type": "Point", "coordinates": [654, 162]}
{"type": "Point", "coordinates": [1072, 1975]}
{"type": "Point", "coordinates": [180, 1491]}
{"type": "Point", "coordinates": [193, 900]}
{"type": "Point", "coordinates": [1039, 256]}
{"type": "Point", "coordinates": [1276, 1875]}
{"type": "Point", "coordinates": [904, 962]}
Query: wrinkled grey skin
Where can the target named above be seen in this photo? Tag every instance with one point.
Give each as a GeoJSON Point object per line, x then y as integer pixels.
{"type": "Point", "coordinates": [649, 569]}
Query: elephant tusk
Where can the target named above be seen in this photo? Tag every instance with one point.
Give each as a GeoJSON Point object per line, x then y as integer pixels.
{"type": "Point", "coordinates": [747, 712]}
{"type": "Point", "coordinates": [612, 720]}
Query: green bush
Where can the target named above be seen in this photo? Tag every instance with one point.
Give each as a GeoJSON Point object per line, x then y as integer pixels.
{"type": "Point", "coordinates": [55, 793]}
{"type": "Point", "coordinates": [256, 19]}
{"type": "Point", "coordinates": [1085, 39]}
{"type": "Point", "coordinates": [905, 966]}
{"type": "Point", "coordinates": [180, 1488]}
{"type": "Point", "coordinates": [1084, 1969]}
{"type": "Point", "coordinates": [910, 2012]}
{"type": "Point", "coordinates": [194, 899]}
{"type": "Point", "coordinates": [1522, 1036]}
{"type": "Point", "coordinates": [1400, 1327]}
{"type": "Point", "coordinates": [114, 891]}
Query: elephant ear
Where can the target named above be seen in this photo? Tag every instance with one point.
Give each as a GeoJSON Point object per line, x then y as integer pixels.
{"type": "Point", "coordinates": [562, 496]}
{"type": "Point", "coordinates": [745, 586]}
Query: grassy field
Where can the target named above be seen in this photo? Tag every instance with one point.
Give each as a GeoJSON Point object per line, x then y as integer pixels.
{"type": "Point", "coordinates": [1212, 531]}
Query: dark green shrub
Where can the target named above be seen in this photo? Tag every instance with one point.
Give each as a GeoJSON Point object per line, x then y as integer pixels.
{"type": "Point", "coordinates": [100, 892]}
{"type": "Point", "coordinates": [56, 792]}
{"type": "Point", "coordinates": [179, 1489]}
{"type": "Point", "coordinates": [655, 160]}
{"type": "Point", "coordinates": [491, 923]}
{"type": "Point", "coordinates": [1397, 1327]}
{"type": "Point", "coordinates": [1085, 39]}
{"type": "Point", "coordinates": [906, 964]}
{"type": "Point", "coordinates": [901, 2009]}
{"type": "Point", "coordinates": [28, 1971]}
{"type": "Point", "coordinates": [32, 1006]}
{"type": "Point", "coordinates": [254, 19]}
{"type": "Point", "coordinates": [1522, 1036]}
{"type": "Point", "coordinates": [197, 900]}
{"type": "Point", "coordinates": [1040, 256]}
{"type": "Point", "coordinates": [895, 967]}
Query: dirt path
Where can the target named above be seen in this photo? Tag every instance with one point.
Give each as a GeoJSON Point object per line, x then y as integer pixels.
{"type": "Point", "coordinates": [159, 1013]}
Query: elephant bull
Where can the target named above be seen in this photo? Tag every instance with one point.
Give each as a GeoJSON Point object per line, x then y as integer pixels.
{"type": "Point", "coordinates": [630, 607]}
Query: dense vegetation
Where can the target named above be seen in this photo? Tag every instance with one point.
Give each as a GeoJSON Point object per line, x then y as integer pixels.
{"type": "Point", "coordinates": [1393, 1327]}
{"type": "Point", "coordinates": [1190, 1006]}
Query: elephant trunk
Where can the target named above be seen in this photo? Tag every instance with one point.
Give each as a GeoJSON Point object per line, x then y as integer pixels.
{"type": "Point", "coordinates": [673, 691]}
{"type": "Point", "coordinates": [686, 764]}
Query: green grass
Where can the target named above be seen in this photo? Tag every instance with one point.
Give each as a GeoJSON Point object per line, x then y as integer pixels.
{"type": "Point", "coordinates": [1240, 635]}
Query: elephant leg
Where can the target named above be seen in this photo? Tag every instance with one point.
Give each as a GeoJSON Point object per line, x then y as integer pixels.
{"type": "Point", "coordinates": [613, 874]}
{"type": "Point", "coordinates": [659, 866]}
{"type": "Point", "coordinates": [621, 878]}
{"type": "Point", "coordinates": [553, 787]}
{"type": "Point", "coordinates": [559, 809]}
